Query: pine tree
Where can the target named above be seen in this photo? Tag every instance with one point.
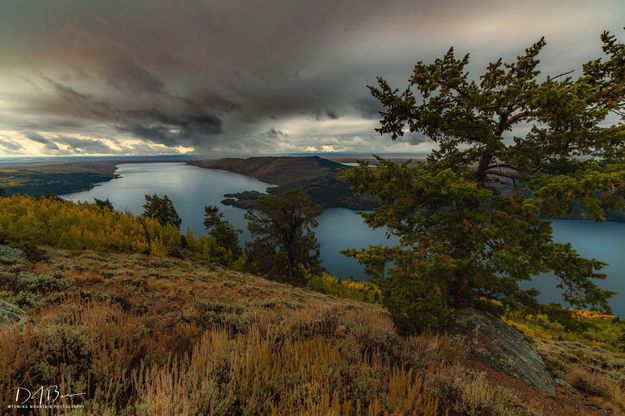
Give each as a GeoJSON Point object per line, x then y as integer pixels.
{"type": "Point", "coordinates": [471, 218]}
{"type": "Point", "coordinates": [222, 231]}
{"type": "Point", "coordinates": [284, 244]}
{"type": "Point", "coordinates": [162, 209]}
{"type": "Point", "coordinates": [103, 204]}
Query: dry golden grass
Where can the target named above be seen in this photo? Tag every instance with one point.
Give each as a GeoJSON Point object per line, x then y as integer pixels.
{"type": "Point", "coordinates": [602, 389]}
{"type": "Point", "coordinates": [273, 373]}
{"type": "Point", "coordinates": [162, 336]}
{"type": "Point", "coordinates": [592, 371]}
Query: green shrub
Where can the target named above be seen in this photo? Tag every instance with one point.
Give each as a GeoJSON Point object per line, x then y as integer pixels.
{"type": "Point", "coordinates": [10, 255]}
{"type": "Point", "coordinates": [31, 282]}
{"type": "Point", "coordinates": [215, 314]}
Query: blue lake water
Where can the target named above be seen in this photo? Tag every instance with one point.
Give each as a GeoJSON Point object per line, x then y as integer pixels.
{"type": "Point", "coordinates": [192, 188]}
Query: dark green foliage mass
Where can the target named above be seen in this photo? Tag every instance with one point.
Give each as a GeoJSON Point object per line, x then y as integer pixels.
{"type": "Point", "coordinates": [222, 231]}
{"type": "Point", "coordinates": [39, 183]}
{"type": "Point", "coordinates": [284, 245]}
{"type": "Point", "coordinates": [512, 148]}
{"type": "Point", "coordinates": [161, 209]}
{"type": "Point", "coordinates": [104, 204]}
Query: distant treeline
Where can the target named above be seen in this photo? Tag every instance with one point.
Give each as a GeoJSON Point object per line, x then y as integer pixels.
{"type": "Point", "coordinates": [27, 182]}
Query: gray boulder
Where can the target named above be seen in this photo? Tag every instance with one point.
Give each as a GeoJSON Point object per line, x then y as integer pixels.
{"type": "Point", "coordinates": [499, 346]}
{"type": "Point", "coordinates": [10, 313]}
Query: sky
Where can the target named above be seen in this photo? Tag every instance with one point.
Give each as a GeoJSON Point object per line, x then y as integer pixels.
{"type": "Point", "coordinates": [83, 77]}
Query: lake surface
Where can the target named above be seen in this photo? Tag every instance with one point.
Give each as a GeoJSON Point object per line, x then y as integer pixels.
{"type": "Point", "coordinates": [192, 188]}
{"type": "Point", "coordinates": [603, 241]}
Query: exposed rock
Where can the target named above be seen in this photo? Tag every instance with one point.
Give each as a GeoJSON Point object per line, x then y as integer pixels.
{"type": "Point", "coordinates": [497, 345]}
{"type": "Point", "coordinates": [10, 313]}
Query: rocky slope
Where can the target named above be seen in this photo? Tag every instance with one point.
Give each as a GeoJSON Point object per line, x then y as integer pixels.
{"type": "Point", "coordinates": [499, 346]}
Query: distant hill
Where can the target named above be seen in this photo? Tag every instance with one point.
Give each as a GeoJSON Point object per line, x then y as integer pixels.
{"type": "Point", "coordinates": [274, 170]}
{"type": "Point", "coordinates": [65, 175]}
{"type": "Point", "coordinates": [54, 178]}
{"type": "Point", "coordinates": [314, 175]}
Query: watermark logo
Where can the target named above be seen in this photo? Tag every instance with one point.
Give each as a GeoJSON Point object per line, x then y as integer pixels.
{"type": "Point", "coordinates": [45, 397]}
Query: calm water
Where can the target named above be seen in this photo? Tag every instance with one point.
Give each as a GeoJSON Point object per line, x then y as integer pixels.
{"type": "Point", "coordinates": [603, 241]}
{"type": "Point", "coordinates": [192, 188]}
{"type": "Point", "coordinates": [189, 187]}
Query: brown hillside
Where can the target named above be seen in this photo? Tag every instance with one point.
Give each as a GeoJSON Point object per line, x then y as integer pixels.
{"type": "Point", "coordinates": [274, 170]}
{"type": "Point", "coordinates": [127, 329]}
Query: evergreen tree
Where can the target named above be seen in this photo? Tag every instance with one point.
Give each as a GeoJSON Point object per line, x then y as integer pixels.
{"type": "Point", "coordinates": [104, 204]}
{"type": "Point", "coordinates": [471, 218]}
{"type": "Point", "coordinates": [222, 231]}
{"type": "Point", "coordinates": [285, 245]}
{"type": "Point", "coordinates": [162, 209]}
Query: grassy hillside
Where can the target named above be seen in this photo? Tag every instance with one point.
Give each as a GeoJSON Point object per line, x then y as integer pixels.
{"type": "Point", "coordinates": [153, 334]}
{"type": "Point", "coordinates": [157, 335]}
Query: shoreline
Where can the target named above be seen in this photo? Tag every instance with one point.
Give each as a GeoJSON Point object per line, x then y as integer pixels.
{"type": "Point", "coordinates": [108, 171]}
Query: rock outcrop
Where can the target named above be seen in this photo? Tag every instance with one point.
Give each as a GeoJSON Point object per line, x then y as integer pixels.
{"type": "Point", "coordinates": [500, 347]}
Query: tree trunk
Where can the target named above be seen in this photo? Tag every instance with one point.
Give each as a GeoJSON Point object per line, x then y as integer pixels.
{"type": "Point", "coordinates": [482, 167]}
{"type": "Point", "coordinates": [147, 234]}
{"type": "Point", "coordinates": [289, 269]}
{"type": "Point", "coordinates": [462, 291]}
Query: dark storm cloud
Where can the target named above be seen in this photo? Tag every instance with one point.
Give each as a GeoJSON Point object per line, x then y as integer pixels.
{"type": "Point", "coordinates": [71, 102]}
{"type": "Point", "coordinates": [275, 133]}
{"type": "Point", "coordinates": [368, 107]}
{"type": "Point", "coordinates": [268, 76]}
{"type": "Point", "coordinates": [70, 144]}
{"type": "Point", "coordinates": [85, 145]}
{"type": "Point", "coordinates": [193, 129]}
{"type": "Point", "coordinates": [9, 145]}
{"type": "Point", "coordinates": [190, 135]}
{"type": "Point", "coordinates": [38, 138]}
{"type": "Point", "coordinates": [413, 138]}
{"type": "Point", "coordinates": [157, 134]}
{"type": "Point", "coordinates": [182, 121]}
{"type": "Point", "coordinates": [129, 76]}
{"type": "Point", "coordinates": [68, 94]}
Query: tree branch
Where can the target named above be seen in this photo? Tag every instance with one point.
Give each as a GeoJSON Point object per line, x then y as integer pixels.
{"type": "Point", "coordinates": [518, 117]}
{"type": "Point", "coordinates": [561, 75]}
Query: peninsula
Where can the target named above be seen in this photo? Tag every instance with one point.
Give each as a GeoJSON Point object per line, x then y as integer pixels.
{"type": "Point", "coordinates": [318, 177]}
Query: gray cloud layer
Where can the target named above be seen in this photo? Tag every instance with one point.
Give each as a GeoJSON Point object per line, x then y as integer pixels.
{"type": "Point", "coordinates": [242, 76]}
